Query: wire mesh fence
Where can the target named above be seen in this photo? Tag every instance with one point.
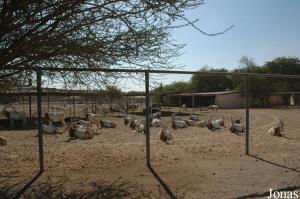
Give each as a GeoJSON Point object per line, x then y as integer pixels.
{"type": "Point", "coordinates": [274, 126]}
{"type": "Point", "coordinates": [204, 115]}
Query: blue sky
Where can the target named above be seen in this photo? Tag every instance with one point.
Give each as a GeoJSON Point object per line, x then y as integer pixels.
{"type": "Point", "coordinates": [263, 30]}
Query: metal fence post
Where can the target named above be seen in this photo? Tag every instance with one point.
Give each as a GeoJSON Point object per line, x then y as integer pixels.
{"type": "Point", "coordinates": [92, 99]}
{"type": "Point", "coordinates": [74, 110]}
{"type": "Point", "coordinates": [193, 101]}
{"type": "Point", "coordinates": [147, 119]}
{"type": "Point", "coordinates": [39, 111]}
{"type": "Point", "coordinates": [48, 102]}
{"type": "Point", "coordinates": [30, 104]}
{"type": "Point", "coordinates": [247, 112]}
{"type": "Point", "coordinates": [23, 103]}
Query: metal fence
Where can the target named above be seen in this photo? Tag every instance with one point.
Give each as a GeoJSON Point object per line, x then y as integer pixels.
{"type": "Point", "coordinates": [148, 95]}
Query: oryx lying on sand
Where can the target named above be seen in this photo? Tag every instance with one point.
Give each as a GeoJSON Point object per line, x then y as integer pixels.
{"type": "Point", "coordinates": [55, 117]}
{"type": "Point", "coordinates": [94, 118]}
{"type": "Point", "coordinates": [165, 135]}
{"type": "Point", "coordinates": [215, 124]}
{"type": "Point", "coordinates": [156, 122]}
{"type": "Point", "coordinates": [236, 126]}
{"type": "Point", "coordinates": [3, 141]}
{"type": "Point", "coordinates": [178, 124]}
{"type": "Point", "coordinates": [278, 128]}
{"type": "Point", "coordinates": [108, 124]}
{"type": "Point", "coordinates": [194, 117]}
{"type": "Point", "coordinates": [81, 132]}
{"type": "Point", "coordinates": [139, 127]}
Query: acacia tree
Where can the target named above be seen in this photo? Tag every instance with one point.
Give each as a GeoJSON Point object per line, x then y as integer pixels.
{"type": "Point", "coordinates": [90, 33]}
{"type": "Point", "coordinates": [286, 66]}
{"type": "Point", "coordinates": [260, 87]}
{"type": "Point", "coordinates": [113, 92]}
{"type": "Point", "coordinates": [211, 83]}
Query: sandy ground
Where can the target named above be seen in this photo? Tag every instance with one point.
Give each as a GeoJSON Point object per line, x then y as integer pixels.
{"type": "Point", "coordinates": [200, 164]}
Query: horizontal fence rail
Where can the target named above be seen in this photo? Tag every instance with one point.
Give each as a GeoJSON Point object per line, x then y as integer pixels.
{"type": "Point", "coordinates": [146, 71]}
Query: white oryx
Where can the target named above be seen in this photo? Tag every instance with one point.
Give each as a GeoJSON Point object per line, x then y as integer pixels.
{"type": "Point", "coordinates": [277, 129]}
{"type": "Point", "coordinates": [156, 122]}
{"type": "Point", "coordinates": [13, 115]}
{"type": "Point", "coordinates": [85, 123]}
{"type": "Point", "coordinates": [165, 135]}
{"type": "Point", "coordinates": [141, 128]}
{"type": "Point", "coordinates": [127, 120]}
{"type": "Point", "coordinates": [190, 122]}
{"type": "Point", "coordinates": [3, 141]}
{"type": "Point", "coordinates": [102, 109]}
{"type": "Point", "coordinates": [221, 121]}
{"type": "Point", "coordinates": [94, 118]}
{"type": "Point", "coordinates": [194, 117]}
{"type": "Point", "coordinates": [213, 107]}
{"type": "Point", "coordinates": [108, 124]}
{"type": "Point", "coordinates": [237, 121]}
{"type": "Point", "coordinates": [176, 117]}
{"type": "Point", "coordinates": [133, 123]}
{"type": "Point", "coordinates": [136, 125]}
{"type": "Point", "coordinates": [213, 124]}
{"type": "Point", "coordinates": [178, 124]}
{"type": "Point", "coordinates": [81, 132]}
{"type": "Point", "coordinates": [201, 123]}
{"type": "Point", "coordinates": [78, 121]}
{"type": "Point", "coordinates": [55, 117]}
{"type": "Point", "coordinates": [236, 126]}
{"type": "Point", "coordinates": [156, 115]}
{"type": "Point", "coordinates": [115, 108]}
{"type": "Point", "coordinates": [183, 106]}
{"type": "Point", "coordinates": [50, 129]}
{"type": "Point", "coordinates": [132, 106]}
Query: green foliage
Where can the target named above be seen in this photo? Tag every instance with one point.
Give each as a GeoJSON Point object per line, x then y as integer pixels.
{"type": "Point", "coordinates": [177, 87]}
{"type": "Point", "coordinates": [113, 92]}
{"type": "Point", "coordinates": [286, 66]}
{"type": "Point", "coordinates": [260, 87]}
{"type": "Point", "coordinates": [211, 83]}
{"type": "Point", "coordinates": [88, 33]}
{"type": "Point", "coordinates": [283, 65]}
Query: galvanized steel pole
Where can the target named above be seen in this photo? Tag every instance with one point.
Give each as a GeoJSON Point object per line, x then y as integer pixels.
{"type": "Point", "coordinates": [147, 119]}
{"type": "Point", "coordinates": [39, 111]}
{"type": "Point", "coordinates": [30, 104]}
{"type": "Point", "coordinates": [48, 102]}
{"type": "Point", "coordinates": [247, 96]}
{"type": "Point", "coordinates": [74, 110]}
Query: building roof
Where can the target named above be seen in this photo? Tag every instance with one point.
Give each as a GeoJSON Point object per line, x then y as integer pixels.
{"type": "Point", "coordinates": [286, 92]}
{"type": "Point", "coordinates": [23, 91]}
{"type": "Point", "coordinates": [205, 93]}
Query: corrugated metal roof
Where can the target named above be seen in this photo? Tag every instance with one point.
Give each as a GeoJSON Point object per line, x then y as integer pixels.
{"type": "Point", "coordinates": [205, 93]}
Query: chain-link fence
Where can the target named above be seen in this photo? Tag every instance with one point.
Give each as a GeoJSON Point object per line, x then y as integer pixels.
{"type": "Point", "coordinates": [183, 115]}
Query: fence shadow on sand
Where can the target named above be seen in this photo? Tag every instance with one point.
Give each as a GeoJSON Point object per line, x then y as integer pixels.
{"type": "Point", "coordinates": [273, 163]}
{"type": "Point", "coordinates": [55, 189]}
